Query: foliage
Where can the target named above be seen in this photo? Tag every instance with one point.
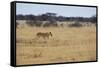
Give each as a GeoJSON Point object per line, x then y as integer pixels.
{"type": "Point", "coordinates": [76, 24]}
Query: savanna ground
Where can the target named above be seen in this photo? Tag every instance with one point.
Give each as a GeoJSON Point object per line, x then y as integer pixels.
{"type": "Point", "coordinates": [68, 44]}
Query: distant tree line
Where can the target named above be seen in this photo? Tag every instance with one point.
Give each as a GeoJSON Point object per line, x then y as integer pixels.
{"type": "Point", "coordinates": [53, 17]}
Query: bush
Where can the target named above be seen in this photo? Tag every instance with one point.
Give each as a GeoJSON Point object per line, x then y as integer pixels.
{"type": "Point", "coordinates": [50, 24]}
{"type": "Point", "coordinates": [46, 25]}
{"type": "Point", "coordinates": [55, 24]}
{"type": "Point", "coordinates": [38, 23]}
{"type": "Point", "coordinates": [61, 25]}
{"type": "Point", "coordinates": [34, 23]}
{"type": "Point", "coordinates": [30, 23]}
{"type": "Point", "coordinates": [75, 25]}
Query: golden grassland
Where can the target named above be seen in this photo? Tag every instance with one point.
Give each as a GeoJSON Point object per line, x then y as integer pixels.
{"type": "Point", "coordinates": [68, 44]}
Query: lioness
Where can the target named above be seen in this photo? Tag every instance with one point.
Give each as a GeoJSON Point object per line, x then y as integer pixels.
{"type": "Point", "coordinates": [44, 35]}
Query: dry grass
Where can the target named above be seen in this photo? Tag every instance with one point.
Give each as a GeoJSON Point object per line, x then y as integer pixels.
{"type": "Point", "coordinates": [67, 45]}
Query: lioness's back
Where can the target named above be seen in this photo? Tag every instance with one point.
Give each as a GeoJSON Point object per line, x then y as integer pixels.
{"type": "Point", "coordinates": [41, 34]}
